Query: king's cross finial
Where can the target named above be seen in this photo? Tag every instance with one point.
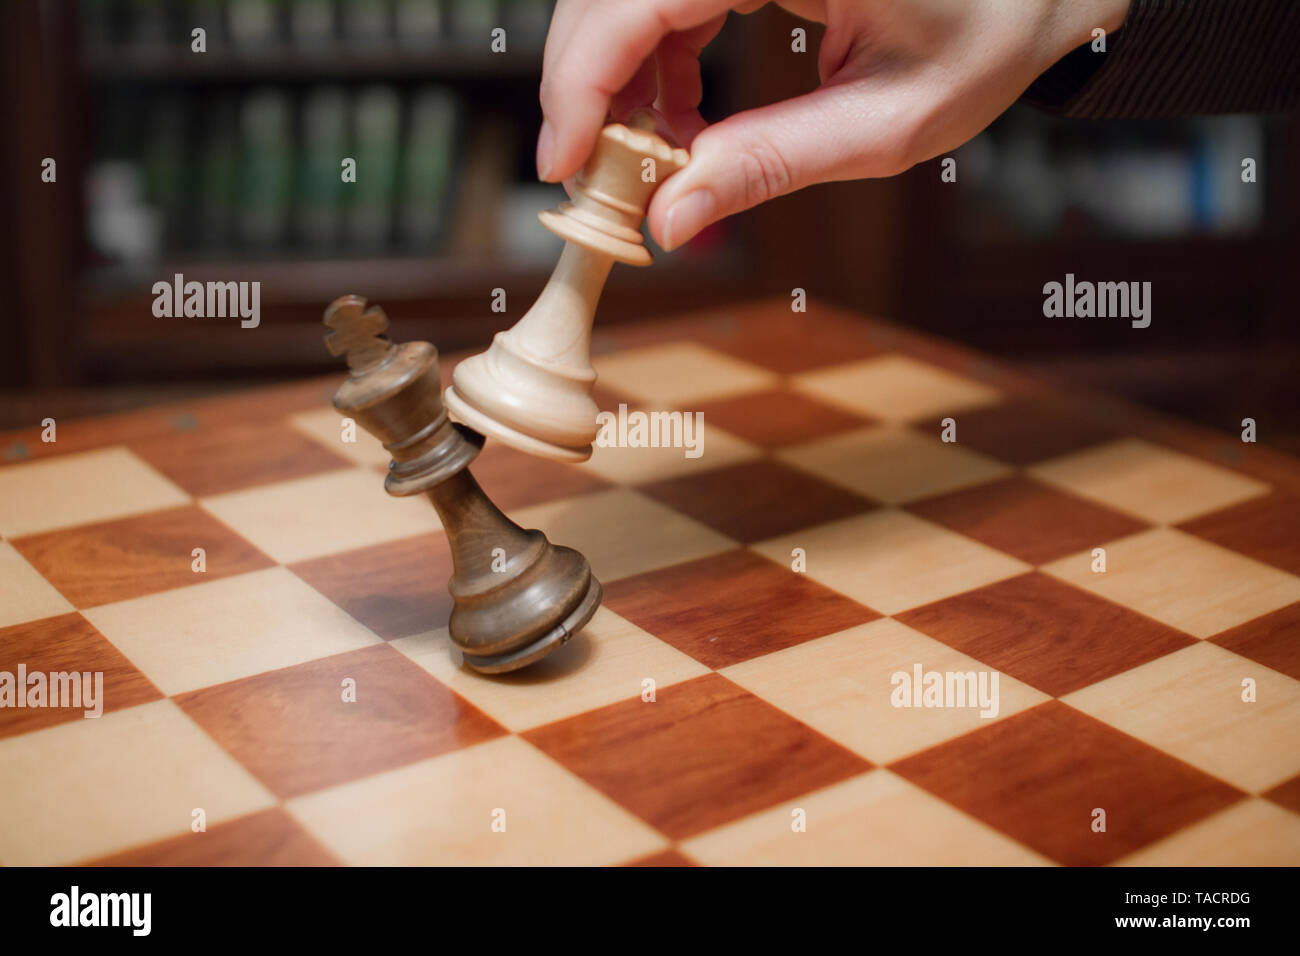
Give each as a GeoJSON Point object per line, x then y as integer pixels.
{"type": "Point", "coordinates": [357, 331]}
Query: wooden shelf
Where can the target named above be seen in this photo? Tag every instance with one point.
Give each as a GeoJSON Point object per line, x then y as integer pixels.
{"type": "Point", "coordinates": [409, 277]}
{"type": "Point", "coordinates": [305, 279]}
{"type": "Point", "coordinates": [448, 60]}
{"type": "Point", "coordinates": [989, 294]}
{"type": "Point", "coordinates": [446, 301]}
{"type": "Point", "coordinates": [168, 65]}
{"type": "Point", "coordinates": [1241, 258]}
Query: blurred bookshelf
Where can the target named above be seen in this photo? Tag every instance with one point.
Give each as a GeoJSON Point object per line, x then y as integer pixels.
{"type": "Point", "coordinates": [1162, 201]}
{"type": "Point", "coordinates": [1038, 197]}
{"type": "Point", "coordinates": [228, 164]}
{"type": "Point", "coordinates": [225, 165]}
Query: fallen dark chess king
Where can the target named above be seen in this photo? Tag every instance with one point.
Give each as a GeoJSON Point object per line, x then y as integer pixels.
{"type": "Point", "coordinates": [518, 597]}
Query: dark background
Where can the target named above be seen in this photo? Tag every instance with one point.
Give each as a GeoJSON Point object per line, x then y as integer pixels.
{"type": "Point", "coordinates": [211, 165]}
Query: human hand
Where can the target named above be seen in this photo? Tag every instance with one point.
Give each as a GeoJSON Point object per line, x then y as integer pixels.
{"type": "Point", "coordinates": [901, 82]}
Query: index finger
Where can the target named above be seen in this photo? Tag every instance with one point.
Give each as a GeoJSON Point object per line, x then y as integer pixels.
{"type": "Point", "coordinates": [593, 50]}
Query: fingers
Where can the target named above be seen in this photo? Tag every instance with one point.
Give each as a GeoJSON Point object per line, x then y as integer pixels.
{"type": "Point", "coordinates": [680, 87]}
{"type": "Point", "coordinates": [618, 53]}
{"type": "Point", "coordinates": [844, 131]}
{"type": "Point", "coordinates": [593, 50]}
{"type": "Point", "coordinates": [640, 91]}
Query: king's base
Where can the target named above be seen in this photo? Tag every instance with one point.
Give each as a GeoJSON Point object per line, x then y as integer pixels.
{"type": "Point", "coordinates": [552, 640]}
{"type": "Point", "coordinates": [467, 414]}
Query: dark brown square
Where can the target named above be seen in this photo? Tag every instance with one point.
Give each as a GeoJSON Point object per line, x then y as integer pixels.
{"type": "Point", "coordinates": [733, 606]}
{"type": "Point", "coordinates": [1265, 528]}
{"type": "Point", "coordinates": [208, 460]}
{"type": "Point", "coordinates": [664, 858]}
{"type": "Point", "coordinates": [1038, 776]}
{"type": "Point", "coordinates": [756, 500]}
{"type": "Point", "coordinates": [786, 341]}
{"type": "Point", "coordinates": [1028, 520]}
{"type": "Point", "coordinates": [1286, 794]}
{"type": "Point", "coordinates": [396, 589]}
{"type": "Point", "coordinates": [66, 644]}
{"type": "Point", "coordinates": [1025, 431]}
{"type": "Point", "coordinates": [80, 434]}
{"type": "Point", "coordinates": [266, 838]}
{"type": "Point", "coordinates": [706, 752]}
{"type": "Point", "coordinates": [515, 480]}
{"type": "Point", "coordinates": [778, 417]}
{"type": "Point", "coordinates": [115, 560]}
{"type": "Point", "coordinates": [608, 399]}
{"type": "Point", "coordinates": [1273, 640]}
{"type": "Point", "coordinates": [1046, 633]}
{"type": "Point", "coordinates": [294, 731]}
{"type": "Point", "coordinates": [245, 406]}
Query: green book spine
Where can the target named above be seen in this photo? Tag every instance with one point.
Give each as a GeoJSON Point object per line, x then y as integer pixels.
{"type": "Point", "coordinates": [266, 163]}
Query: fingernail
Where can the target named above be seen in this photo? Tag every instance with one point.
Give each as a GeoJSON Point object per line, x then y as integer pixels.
{"type": "Point", "coordinates": [687, 216]}
{"type": "Point", "coordinates": [545, 149]}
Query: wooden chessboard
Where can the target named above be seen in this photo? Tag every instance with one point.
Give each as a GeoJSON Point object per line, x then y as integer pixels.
{"type": "Point", "coordinates": [1120, 691]}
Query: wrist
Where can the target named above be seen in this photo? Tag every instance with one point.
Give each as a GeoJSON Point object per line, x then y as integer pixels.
{"type": "Point", "coordinates": [1074, 21]}
{"type": "Point", "coordinates": [1112, 13]}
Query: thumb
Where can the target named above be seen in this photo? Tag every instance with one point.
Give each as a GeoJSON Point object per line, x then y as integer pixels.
{"type": "Point", "coordinates": [836, 132]}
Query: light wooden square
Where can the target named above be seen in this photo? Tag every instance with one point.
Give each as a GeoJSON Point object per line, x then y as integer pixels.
{"type": "Point", "coordinates": [671, 376]}
{"type": "Point", "coordinates": [609, 660]}
{"type": "Point", "coordinates": [1251, 833]}
{"type": "Point", "coordinates": [628, 466]}
{"type": "Point", "coordinates": [440, 812]}
{"type": "Point", "coordinates": [221, 630]}
{"type": "Point", "coordinates": [622, 532]}
{"type": "Point", "coordinates": [842, 685]}
{"type": "Point", "coordinates": [1181, 580]}
{"type": "Point", "coordinates": [1147, 481]}
{"type": "Point", "coordinates": [326, 426]}
{"type": "Point", "coordinates": [79, 489]}
{"type": "Point", "coordinates": [323, 514]}
{"type": "Point", "coordinates": [893, 465]}
{"type": "Point", "coordinates": [877, 819]}
{"type": "Point", "coordinates": [891, 561]}
{"type": "Point", "coordinates": [895, 388]}
{"type": "Point", "coordinates": [85, 788]}
{"type": "Point", "coordinates": [1190, 704]}
{"type": "Point", "coordinates": [24, 594]}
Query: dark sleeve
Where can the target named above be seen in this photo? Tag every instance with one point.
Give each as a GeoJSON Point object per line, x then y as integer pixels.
{"type": "Point", "coordinates": [1182, 57]}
